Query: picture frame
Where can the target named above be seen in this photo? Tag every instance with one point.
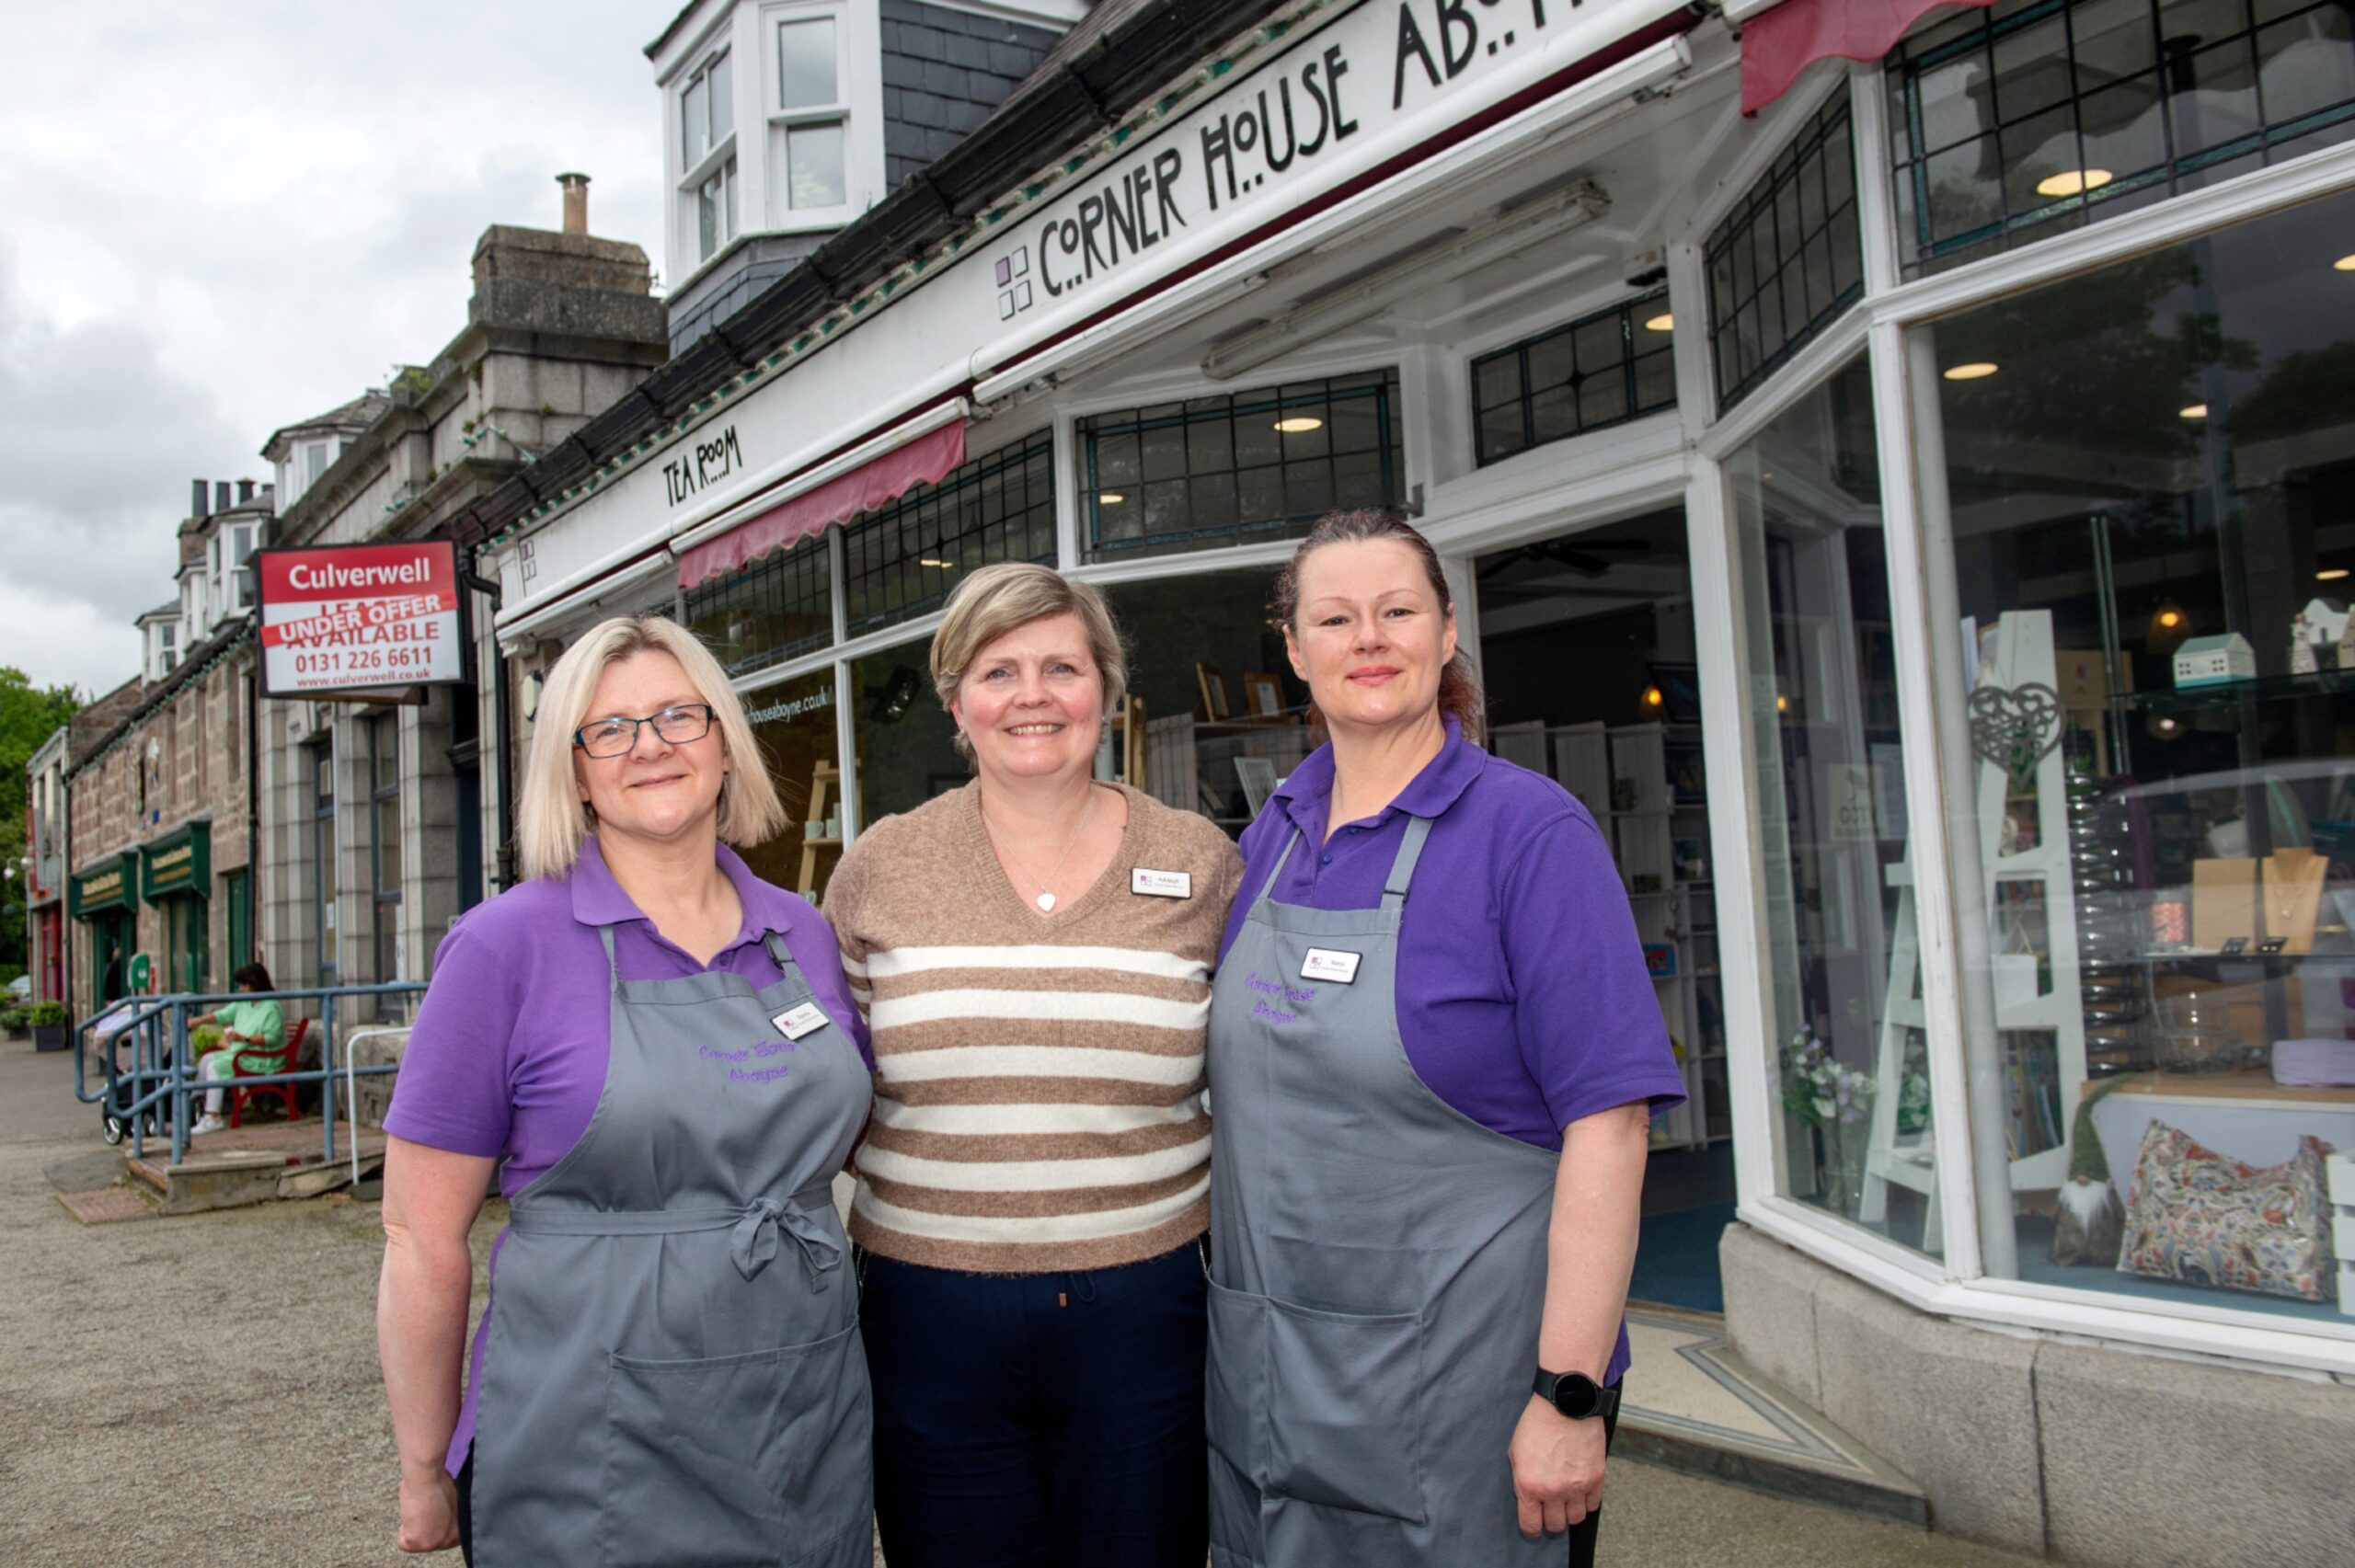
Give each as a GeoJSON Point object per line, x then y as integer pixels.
{"type": "Point", "coordinates": [1213, 681]}
{"type": "Point", "coordinates": [1259, 780]}
{"type": "Point", "coordinates": [1263, 699]}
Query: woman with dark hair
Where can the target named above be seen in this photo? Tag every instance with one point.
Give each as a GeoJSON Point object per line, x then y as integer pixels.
{"type": "Point", "coordinates": [261, 1023]}
{"type": "Point", "coordinates": [1431, 1113]}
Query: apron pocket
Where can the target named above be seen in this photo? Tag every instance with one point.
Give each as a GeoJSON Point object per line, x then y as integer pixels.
{"type": "Point", "coordinates": [760, 1458]}
{"type": "Point", "coordinates": [1236, 1396]}
{"type": "Point", "coordinates": [1345, 1410]}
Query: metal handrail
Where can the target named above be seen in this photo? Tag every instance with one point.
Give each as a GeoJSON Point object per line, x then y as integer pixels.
{"type": "Point", "coordinates": [170, 1067]}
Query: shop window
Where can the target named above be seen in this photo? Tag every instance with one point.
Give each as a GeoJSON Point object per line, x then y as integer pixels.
{"type": "Point", "coordinates": [2140, 474]}
{"type": "Point", "coordinates": [1840, 931]}
{"type": "Point", "coordinates": [901, 561]}
{"type": "Point", "coordinates": [907, 750]}
{"type": "Point", "coordinates": [1599, 370]}
{"type": "Point", "coordinates": [324, 879]}
{"type": "Point", "coordinates": [1240, 466]}
{"type": "Point", "coordinates": [1216, 715]}
{"type": "Point", "coordinates": [794, 723]}
{"type": "Point", "coordinates": [2033, 120]}
{"type": "Point", "coordinates": [778, 606]}
{"type": "Point", "coordinates": [1788, 259]}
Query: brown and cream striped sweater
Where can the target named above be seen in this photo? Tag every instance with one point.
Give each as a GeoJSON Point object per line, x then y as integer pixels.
{"type": "Point", "coordinates": [1038, 1078]}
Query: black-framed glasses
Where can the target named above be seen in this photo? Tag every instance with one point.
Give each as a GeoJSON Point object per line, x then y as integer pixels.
{"type": "Point", "coordinates": [616, 737]}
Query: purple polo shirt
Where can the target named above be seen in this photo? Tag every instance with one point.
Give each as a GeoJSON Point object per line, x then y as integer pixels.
{"type": "Point", "coordinates": [508, 1054]}
{"type": "Point", "coordinates": [1522, 996]}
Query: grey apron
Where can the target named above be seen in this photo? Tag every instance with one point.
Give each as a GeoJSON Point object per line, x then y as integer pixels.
{"type": "Point", "coordinates": [1378, 1267]}
{"type": "Point", "coordinates": [672, 1374]}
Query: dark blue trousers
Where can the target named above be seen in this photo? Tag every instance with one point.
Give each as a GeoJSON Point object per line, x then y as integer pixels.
{"type": "Point", "coordinates": [1040, 1421]}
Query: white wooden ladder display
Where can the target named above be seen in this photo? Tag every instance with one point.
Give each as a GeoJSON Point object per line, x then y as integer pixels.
{"type": "Point", "coordinates": [2021, 661]}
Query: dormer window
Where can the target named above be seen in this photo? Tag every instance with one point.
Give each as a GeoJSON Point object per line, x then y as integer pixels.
{"type": "Point", "coordinates": [809, 134]}
{"type": "Point", "coordinates": [708, 156]}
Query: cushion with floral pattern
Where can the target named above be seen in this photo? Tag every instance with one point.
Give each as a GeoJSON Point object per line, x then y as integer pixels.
{"type": "Point", "coordinates": [2202, 1218]}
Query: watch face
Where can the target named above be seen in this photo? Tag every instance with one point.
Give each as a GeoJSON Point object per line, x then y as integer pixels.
{"type": "Point", "coordinates": [1575, 1396]}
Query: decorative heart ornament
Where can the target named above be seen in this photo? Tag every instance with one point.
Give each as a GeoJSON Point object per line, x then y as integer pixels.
{"type": "Point", "coordinates": [2014, 728]}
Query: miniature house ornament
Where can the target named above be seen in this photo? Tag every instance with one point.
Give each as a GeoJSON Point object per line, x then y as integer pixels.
{"type": "Point", "coordinates": [2319, 636]}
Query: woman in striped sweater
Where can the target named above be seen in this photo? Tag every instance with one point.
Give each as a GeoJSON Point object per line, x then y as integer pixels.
{"type": "Point", "coordinates": [1034, 955]}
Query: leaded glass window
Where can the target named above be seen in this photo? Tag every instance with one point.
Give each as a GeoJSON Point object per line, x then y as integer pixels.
{"type": "Point", "coordinates": [772, 609]}
{"type": "Point", "coordinates": [901, 561]}
{"type": "Point", "coordinates": [2009, 126]}
{"type": "Point", "coordinates": [1600, 369]}
{"type": "Point", "coordinates": [1788, 259]}
{"type": "Point", "coordinates": [1240, 466]}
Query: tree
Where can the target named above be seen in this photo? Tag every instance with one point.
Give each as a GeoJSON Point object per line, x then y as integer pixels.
{"type": "Point", "coordinates": [28, 716]}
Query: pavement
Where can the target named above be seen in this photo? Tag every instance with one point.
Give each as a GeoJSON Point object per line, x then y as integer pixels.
{"type": "Point", "coordinates": [204, 1390]}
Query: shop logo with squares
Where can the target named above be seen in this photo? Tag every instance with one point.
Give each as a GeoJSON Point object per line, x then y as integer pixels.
{"type": "Point", "coordinates": [1013, 283]}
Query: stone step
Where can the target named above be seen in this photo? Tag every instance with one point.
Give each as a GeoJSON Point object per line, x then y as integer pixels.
{"type": "Point", "coordinates": [1695, 1406]}
{"type": "Point", "coordinates": [231, 1179]}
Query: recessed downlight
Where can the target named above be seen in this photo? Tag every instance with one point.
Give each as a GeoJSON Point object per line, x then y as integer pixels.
{"type": "Point", "coordinates": [1663, 322]}
{"type": "Point", "coordinates": [2330, 574]}
{"type": "Point", "coordinates": [1978, 369]}
{"type": "Point", "coordinates": [1109, 499]}
{"type": "Point", "coordinates": [2195, 411]}
{"type": "Point", "coordinates": [1299, 424]}
{"type": "Point", "coordinates": [2344, 264]}
{"type": "Point", "coordinates": [2074, 182]}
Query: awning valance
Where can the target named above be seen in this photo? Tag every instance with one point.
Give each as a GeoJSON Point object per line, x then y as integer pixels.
{"type": "Point", "coordinates": [1780, 43]}
{"type": "Point", "coordinates": [875, 483]}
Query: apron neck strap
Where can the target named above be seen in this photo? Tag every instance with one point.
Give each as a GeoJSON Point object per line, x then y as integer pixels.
{"type": "Point", "coordinates": [1402, 870]}
{"type": "Point", "coordinates": [612, 965]}
{"type": "Point", "coordinates": [777, 953]}
{"type": "Point", "coordinates": [1267, 888]}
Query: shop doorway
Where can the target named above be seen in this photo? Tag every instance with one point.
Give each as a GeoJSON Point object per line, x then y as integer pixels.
{"type": "Point", "coordinates": [1587, 645]}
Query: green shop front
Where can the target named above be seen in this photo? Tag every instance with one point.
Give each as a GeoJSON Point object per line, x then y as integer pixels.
{"type": "Point", "coordinates": [104, 898]}
{"type": "Point", "coordinates": [174, 878]}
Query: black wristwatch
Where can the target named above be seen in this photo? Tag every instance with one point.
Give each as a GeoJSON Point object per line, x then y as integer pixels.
{"type": "Point", "coordinates": [1576, 1395]}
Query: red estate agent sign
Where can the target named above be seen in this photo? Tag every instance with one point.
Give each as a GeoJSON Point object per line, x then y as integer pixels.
{"type": "Point", "coordinates": [346, 619]}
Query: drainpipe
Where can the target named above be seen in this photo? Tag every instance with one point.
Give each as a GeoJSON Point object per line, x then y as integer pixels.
{"type": "Point", "coordinates": [500, 724]}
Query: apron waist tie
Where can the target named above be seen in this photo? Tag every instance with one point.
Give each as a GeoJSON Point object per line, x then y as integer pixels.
{"type": "Point", "coordinates": [751, 1246]}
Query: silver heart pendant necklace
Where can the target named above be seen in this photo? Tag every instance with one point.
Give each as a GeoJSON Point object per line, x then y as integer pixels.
{"type": "Point", "coordinates": [1045, 900]}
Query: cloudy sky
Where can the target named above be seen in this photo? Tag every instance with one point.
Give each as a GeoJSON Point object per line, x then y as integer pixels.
{"type": "Point", "coordinates": [219, 217]}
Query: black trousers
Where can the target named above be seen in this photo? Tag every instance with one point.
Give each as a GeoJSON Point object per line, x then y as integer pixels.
{"type": "Point", "coordinates": [466, 1507]}
{"type": "Point", "coordinates": [1583, 1533]}
{"type": "Point", "coordinates": [1040, 1421]}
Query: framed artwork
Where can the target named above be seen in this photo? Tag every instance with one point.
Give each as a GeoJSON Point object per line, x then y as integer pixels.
{"type": "Point", "coordinates": [1259, 776]}
{"type": "Point", "coordinates": [1688, 779]}
{"type": "Point", "coordinates": [1680, 692]}
{"type": "Point", "coordinates": [1263, 699]}
{"type": "Point", "coordinates": [1214, 684]}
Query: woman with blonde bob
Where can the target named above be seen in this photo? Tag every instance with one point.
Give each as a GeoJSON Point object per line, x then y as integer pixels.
{"type": "Point", "coordinates": [1032, 1195]}
{"type": "Point", "coordinates": [657, 1053]}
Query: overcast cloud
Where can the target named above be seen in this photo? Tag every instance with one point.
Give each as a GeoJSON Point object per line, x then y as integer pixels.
{"type": "Point", "coordinates": [218, 219]}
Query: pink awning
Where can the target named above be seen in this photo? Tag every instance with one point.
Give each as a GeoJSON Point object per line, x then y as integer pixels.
{"type": "Point", "coordinates": [873, 484]}
{"type": "Point", "coordinates": [1777, 45]}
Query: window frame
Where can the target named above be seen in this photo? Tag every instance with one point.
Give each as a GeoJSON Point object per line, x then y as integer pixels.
{"type": "Point", "coordinates": [719, 158]}
{"type": "Point", "coordinates": [780, 121]}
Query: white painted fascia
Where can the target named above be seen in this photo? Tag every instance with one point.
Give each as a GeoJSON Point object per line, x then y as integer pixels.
{"type": "Point", "coordinates": [692, 533]}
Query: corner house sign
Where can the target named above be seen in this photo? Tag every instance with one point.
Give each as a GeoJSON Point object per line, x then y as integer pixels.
{"type": "Point", "coordinates": [178, 863]}
{"type": "Point", "coordinates": [351, 620]}
{"type": "Point", "coordinates": [1259, 140]}
{"type": "Point", "coordinates": [112, 884]}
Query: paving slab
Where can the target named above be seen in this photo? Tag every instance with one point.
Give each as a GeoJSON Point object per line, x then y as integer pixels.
{"type": "Point", "coordinates": [108, 1206]}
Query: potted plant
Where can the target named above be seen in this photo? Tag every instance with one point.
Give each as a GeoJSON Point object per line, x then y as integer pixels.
{"type": "Point", "coordinates": [14, 1020]}
{"type": "Point", "coordinates": [48, 1019]}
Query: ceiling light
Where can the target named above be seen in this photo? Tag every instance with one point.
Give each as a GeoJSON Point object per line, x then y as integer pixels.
{"type": "Point", "coordinates": [2196, 411]}
{"type": "Point", "coordinates": [2344, 264]}
{"type": "Point", "coordinates": [928, 561]}
{"type": "Point", "coordinates": [1299, 424]}
{"type": "Point", "coordinates": [2074, 182]}
{"type": "Point", "coordinates": [1652, 697]}
{"type": "Point", "coordinates": [2170, 619]}
{"type": "Point", "coordinates": [1663, 322]}
{"type": "Point", "coordinates": [1978, 369]}
{"type": "Point", "coordinates": [1109, 499]}
{"type": "Point", "coordinates": [1782, 704]}
{"type": "Point", "coordinates": [2330, 574]}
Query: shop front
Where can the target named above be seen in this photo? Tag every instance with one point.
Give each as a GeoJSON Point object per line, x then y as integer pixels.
{"type": "Point", "coordinates": [175, 880]}
{"type": "Point", "coordinates": [105, 898]}
{"type": "Point", "coordinates": [1907, 518]}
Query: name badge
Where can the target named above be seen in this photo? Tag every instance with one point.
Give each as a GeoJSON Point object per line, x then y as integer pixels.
{"type": "Point", "coordinates": [1326, 964]}
{"type": "Point", "coordinates": [1162, 884]}
{"type": "Point", "coordinates": [800, 1021]}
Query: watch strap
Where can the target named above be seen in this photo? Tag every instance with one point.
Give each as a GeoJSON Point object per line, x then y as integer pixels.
{"type": "Point", "coordinates": [1547, 1386]}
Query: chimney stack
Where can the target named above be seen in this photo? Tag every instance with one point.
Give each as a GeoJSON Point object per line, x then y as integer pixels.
{"type": "Point", "coordinates": [221, 495]}
{"type": "Point", "coordinates": [196, 506]}
{"type": "Point", "coordinates": [244, 492]}
{"type": "Point", "coordinates": [576, 203]}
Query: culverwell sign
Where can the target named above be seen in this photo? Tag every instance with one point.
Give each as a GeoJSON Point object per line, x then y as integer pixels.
{"type": "Point", "coordinates": [348, 619]}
